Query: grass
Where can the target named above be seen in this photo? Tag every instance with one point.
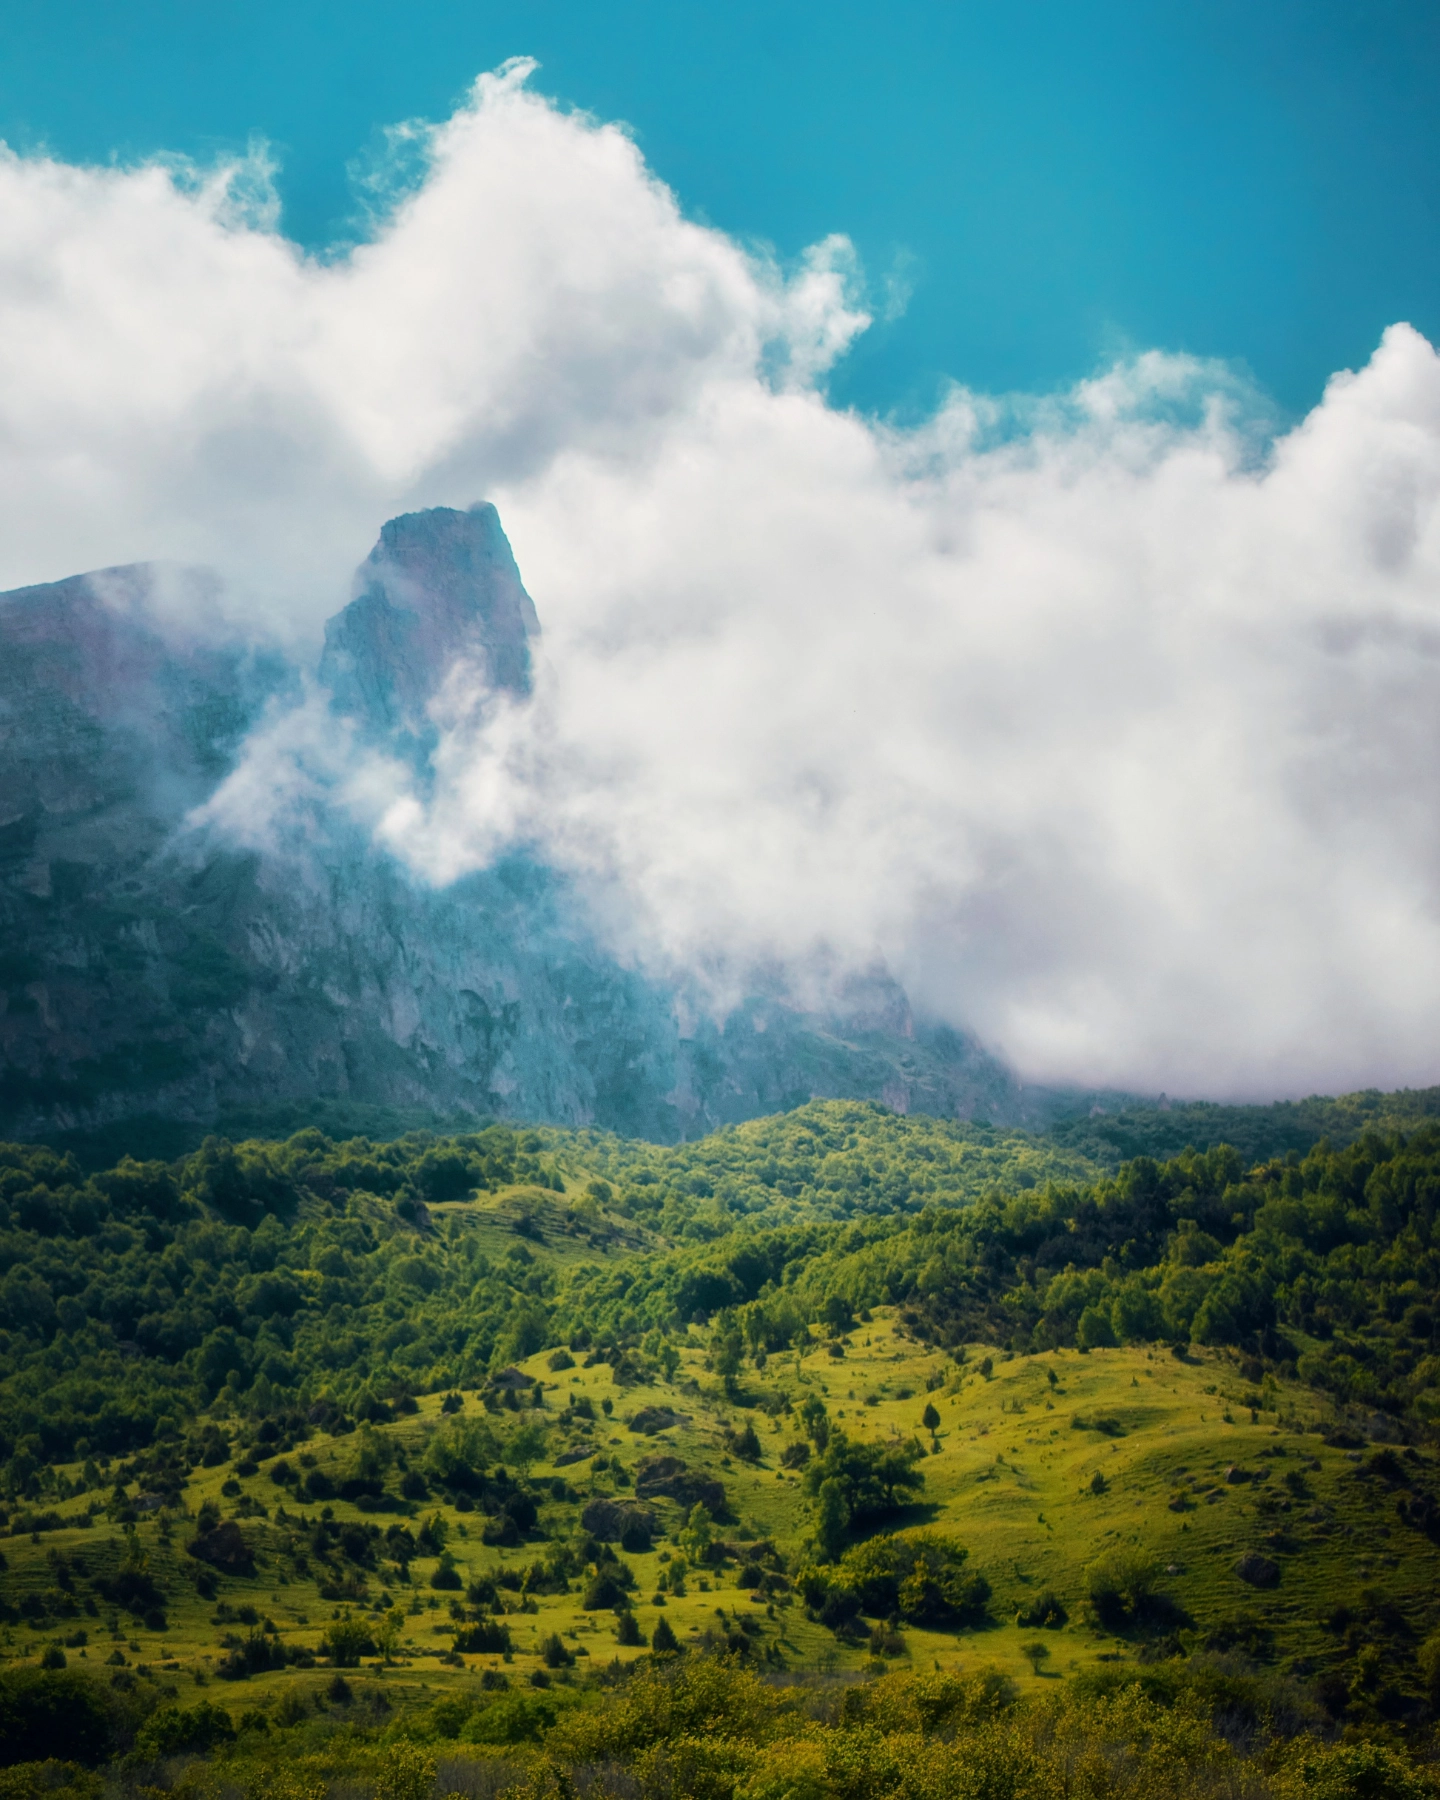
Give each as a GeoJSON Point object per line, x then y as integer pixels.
{"type": "Point", "coordinates": [1013, 1474]}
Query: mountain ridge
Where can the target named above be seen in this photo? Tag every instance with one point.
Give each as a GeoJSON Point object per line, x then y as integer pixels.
{"type": "Point", "coordinates": [156, 967]}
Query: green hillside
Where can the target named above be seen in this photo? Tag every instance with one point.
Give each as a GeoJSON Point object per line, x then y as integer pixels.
{"type": "Point", "coordinates": [457, 1443]}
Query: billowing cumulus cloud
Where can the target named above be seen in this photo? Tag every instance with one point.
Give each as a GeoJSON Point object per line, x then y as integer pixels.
{"type": "Point", "coordinates": [1108, 721]}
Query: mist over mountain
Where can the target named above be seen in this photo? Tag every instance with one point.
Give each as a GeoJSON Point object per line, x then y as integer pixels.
{"type": "Point", "coordinates": [200, 919]}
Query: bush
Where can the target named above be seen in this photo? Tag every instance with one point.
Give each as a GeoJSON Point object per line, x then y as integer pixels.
{"type": "Point", "coordinates": [47, 1714]}
{"type": "Point", "coordinates": [447, 1576]}
{"type": "Point", "coordinates": [406, 1773]}
{"type": "Point", "coordinates": [1123, 1592]}
{"type": "Point", "coordinates": [486, 1638]}
{"type": "Point", "coordinates": [914, 1575]}
{"type": "Point", "coordinates": [605, 1591]}
{"type": "Point", "coordinates": [512, 1718]}
{"type": "Point", "coordinates": [554, 1653]}
{"type": "Point", "coordinates": [1046, 1611]}
{"type": "Point", "coordinates": [1352, 1772]}
{"type": "Point", "coordinates": [346, 1640]}
{"type": "Point", "coordinates": [744, 1444]}
{"type": "Point", "coordinates": [173, 1728]}
{"type": "Point", "coordinates": [254, 1656]}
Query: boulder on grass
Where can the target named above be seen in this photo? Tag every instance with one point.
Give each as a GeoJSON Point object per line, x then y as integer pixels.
{"type": "Point", "coordinates": [225, 1549]}
{"type": "Point", "coordinates": [1258, 1570]}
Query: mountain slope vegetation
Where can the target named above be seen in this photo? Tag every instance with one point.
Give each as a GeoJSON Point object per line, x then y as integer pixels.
{"type": "Point", "coordinates": [445, 1446]}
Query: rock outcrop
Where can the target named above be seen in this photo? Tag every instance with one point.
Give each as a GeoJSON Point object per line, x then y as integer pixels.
{"type": "Point", "coordinates": [150, 968]}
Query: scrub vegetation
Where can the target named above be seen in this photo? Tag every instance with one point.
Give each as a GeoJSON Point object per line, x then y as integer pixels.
{"type": "Point", "coordinates": [838, 1455]}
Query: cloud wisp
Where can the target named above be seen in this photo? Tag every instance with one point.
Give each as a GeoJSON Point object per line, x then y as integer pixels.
{"type": "Point", "coordinates": [1107, 721]}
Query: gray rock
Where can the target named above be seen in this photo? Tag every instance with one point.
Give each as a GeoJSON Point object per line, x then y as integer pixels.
{"type": "Point", "coordinates": [152, 967]}
{"type": "Point", "coordinates": [612, 1520]}
{"type": "Point", "coordinates": [1258, 1570]}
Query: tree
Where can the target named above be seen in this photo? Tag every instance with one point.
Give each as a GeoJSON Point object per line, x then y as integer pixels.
{"type": "Point", "coordinates": [526, 1444]}
{"type": "Point", "coordinates": [913, 1575]}
{"type": "Point", "coordinates": [662, 1639]}
{"type": "Point", "coordinates": [837, 1314]}
{"type": "Point", "coordinates": [447, 1575]}
{"type": "Point", "coordinates": [727, 1355]}
{"type": "Point", "coordinates": [832, 1518]}
{"type": "Point", "coordinates": [388, 1632]}
{"type": "Point", "coordinates": [346, 1640]}
{"type": "Point", "coordinates": [815, 1421]}
{"type": "Point", "coordinates": [171, 1729]}
{"type": "Point", "coordinates": [1122, 1586]}
{"type": "Point", "coordinates": [872, 1477]}
{"type": "Point", "coordinates": [1035, 1653]}
{"type": "Point", "coordinates": [698, 1535]}
{"type": "Point", "coordinates": [407, 1772]}
{"type": "Point", "coordinates": [930, 1418]}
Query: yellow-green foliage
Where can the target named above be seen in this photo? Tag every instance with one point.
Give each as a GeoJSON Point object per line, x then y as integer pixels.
{"type": "Point", "coordinates": [244, 1458]}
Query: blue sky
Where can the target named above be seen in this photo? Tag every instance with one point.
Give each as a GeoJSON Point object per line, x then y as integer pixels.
{"type": "Point", "coordinates": [1055, 182]}
{"type": "Point", "coordinates": [1108, 723]}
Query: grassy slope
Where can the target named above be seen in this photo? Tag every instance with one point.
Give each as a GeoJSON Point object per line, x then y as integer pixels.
{"type": "Point", "coordinates": [1012, 1478]}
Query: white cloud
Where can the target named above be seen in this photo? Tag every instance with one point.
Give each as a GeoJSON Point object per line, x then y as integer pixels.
{"type": "Point", "coordinates": [1109, 724]}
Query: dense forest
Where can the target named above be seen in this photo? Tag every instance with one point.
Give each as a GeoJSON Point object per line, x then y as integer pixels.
{"type": "Point", "coordinates": [354, 1274]}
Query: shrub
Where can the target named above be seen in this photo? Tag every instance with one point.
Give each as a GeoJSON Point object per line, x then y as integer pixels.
{"type": "Point", "coordinates": [406, 1773]}
{"type": "Point", "coordinates": [1046, 1611]}
{"type": "Point", "coordinates": [512, 1718]}
{"type": "Point", "coordinates": [913, 1575]}
{"type": "Point", "coordinates": [447, 1576]}
{"type": "Point", "coordinates": [1123, 1592]}
{"type": "Point", "coordinates": [346, 1640]}
{"type": "Point", "coordinates": [486, 1638]}
{"type": "Point", "coordinates": [171, 1729]}
{"type": "Point", "coordinates": [1351, 1772]}
{"type": "Point", "coordinates": [47, 1714]}
{"type": "Point", "coordinates": [253, 1656]}
{"type": "Point", "coordinates": [606, 1590]}
{"type": "Point", "coordinates": [744, 1444]}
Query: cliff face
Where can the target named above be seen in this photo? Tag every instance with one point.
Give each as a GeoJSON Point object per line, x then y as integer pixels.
{"type": "Point", "coordinates": [147, 967]}
{"type": "Point", "coordinates": [440, 587]}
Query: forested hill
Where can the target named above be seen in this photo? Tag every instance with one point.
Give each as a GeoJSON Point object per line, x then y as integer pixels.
{"type": "Point", "coordinates": [348, 1276]}
{"type": "Point", "coordinates": [1162, 1130]}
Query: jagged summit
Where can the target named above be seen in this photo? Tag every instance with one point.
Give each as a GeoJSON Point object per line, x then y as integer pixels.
{"type": "Point", "coordinates": [440, 586]}
{"type": "Point", "coordinates": [150, 968]}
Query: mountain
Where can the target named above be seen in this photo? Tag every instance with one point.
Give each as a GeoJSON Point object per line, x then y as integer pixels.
{"type": "Point", "coordinates": [156, 963]}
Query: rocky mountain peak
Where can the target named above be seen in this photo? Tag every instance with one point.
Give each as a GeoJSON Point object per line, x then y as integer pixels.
{"type": "Point", "coordinates": [149, 969]}
{"type": "Point", "coordinates": [440, 587]}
